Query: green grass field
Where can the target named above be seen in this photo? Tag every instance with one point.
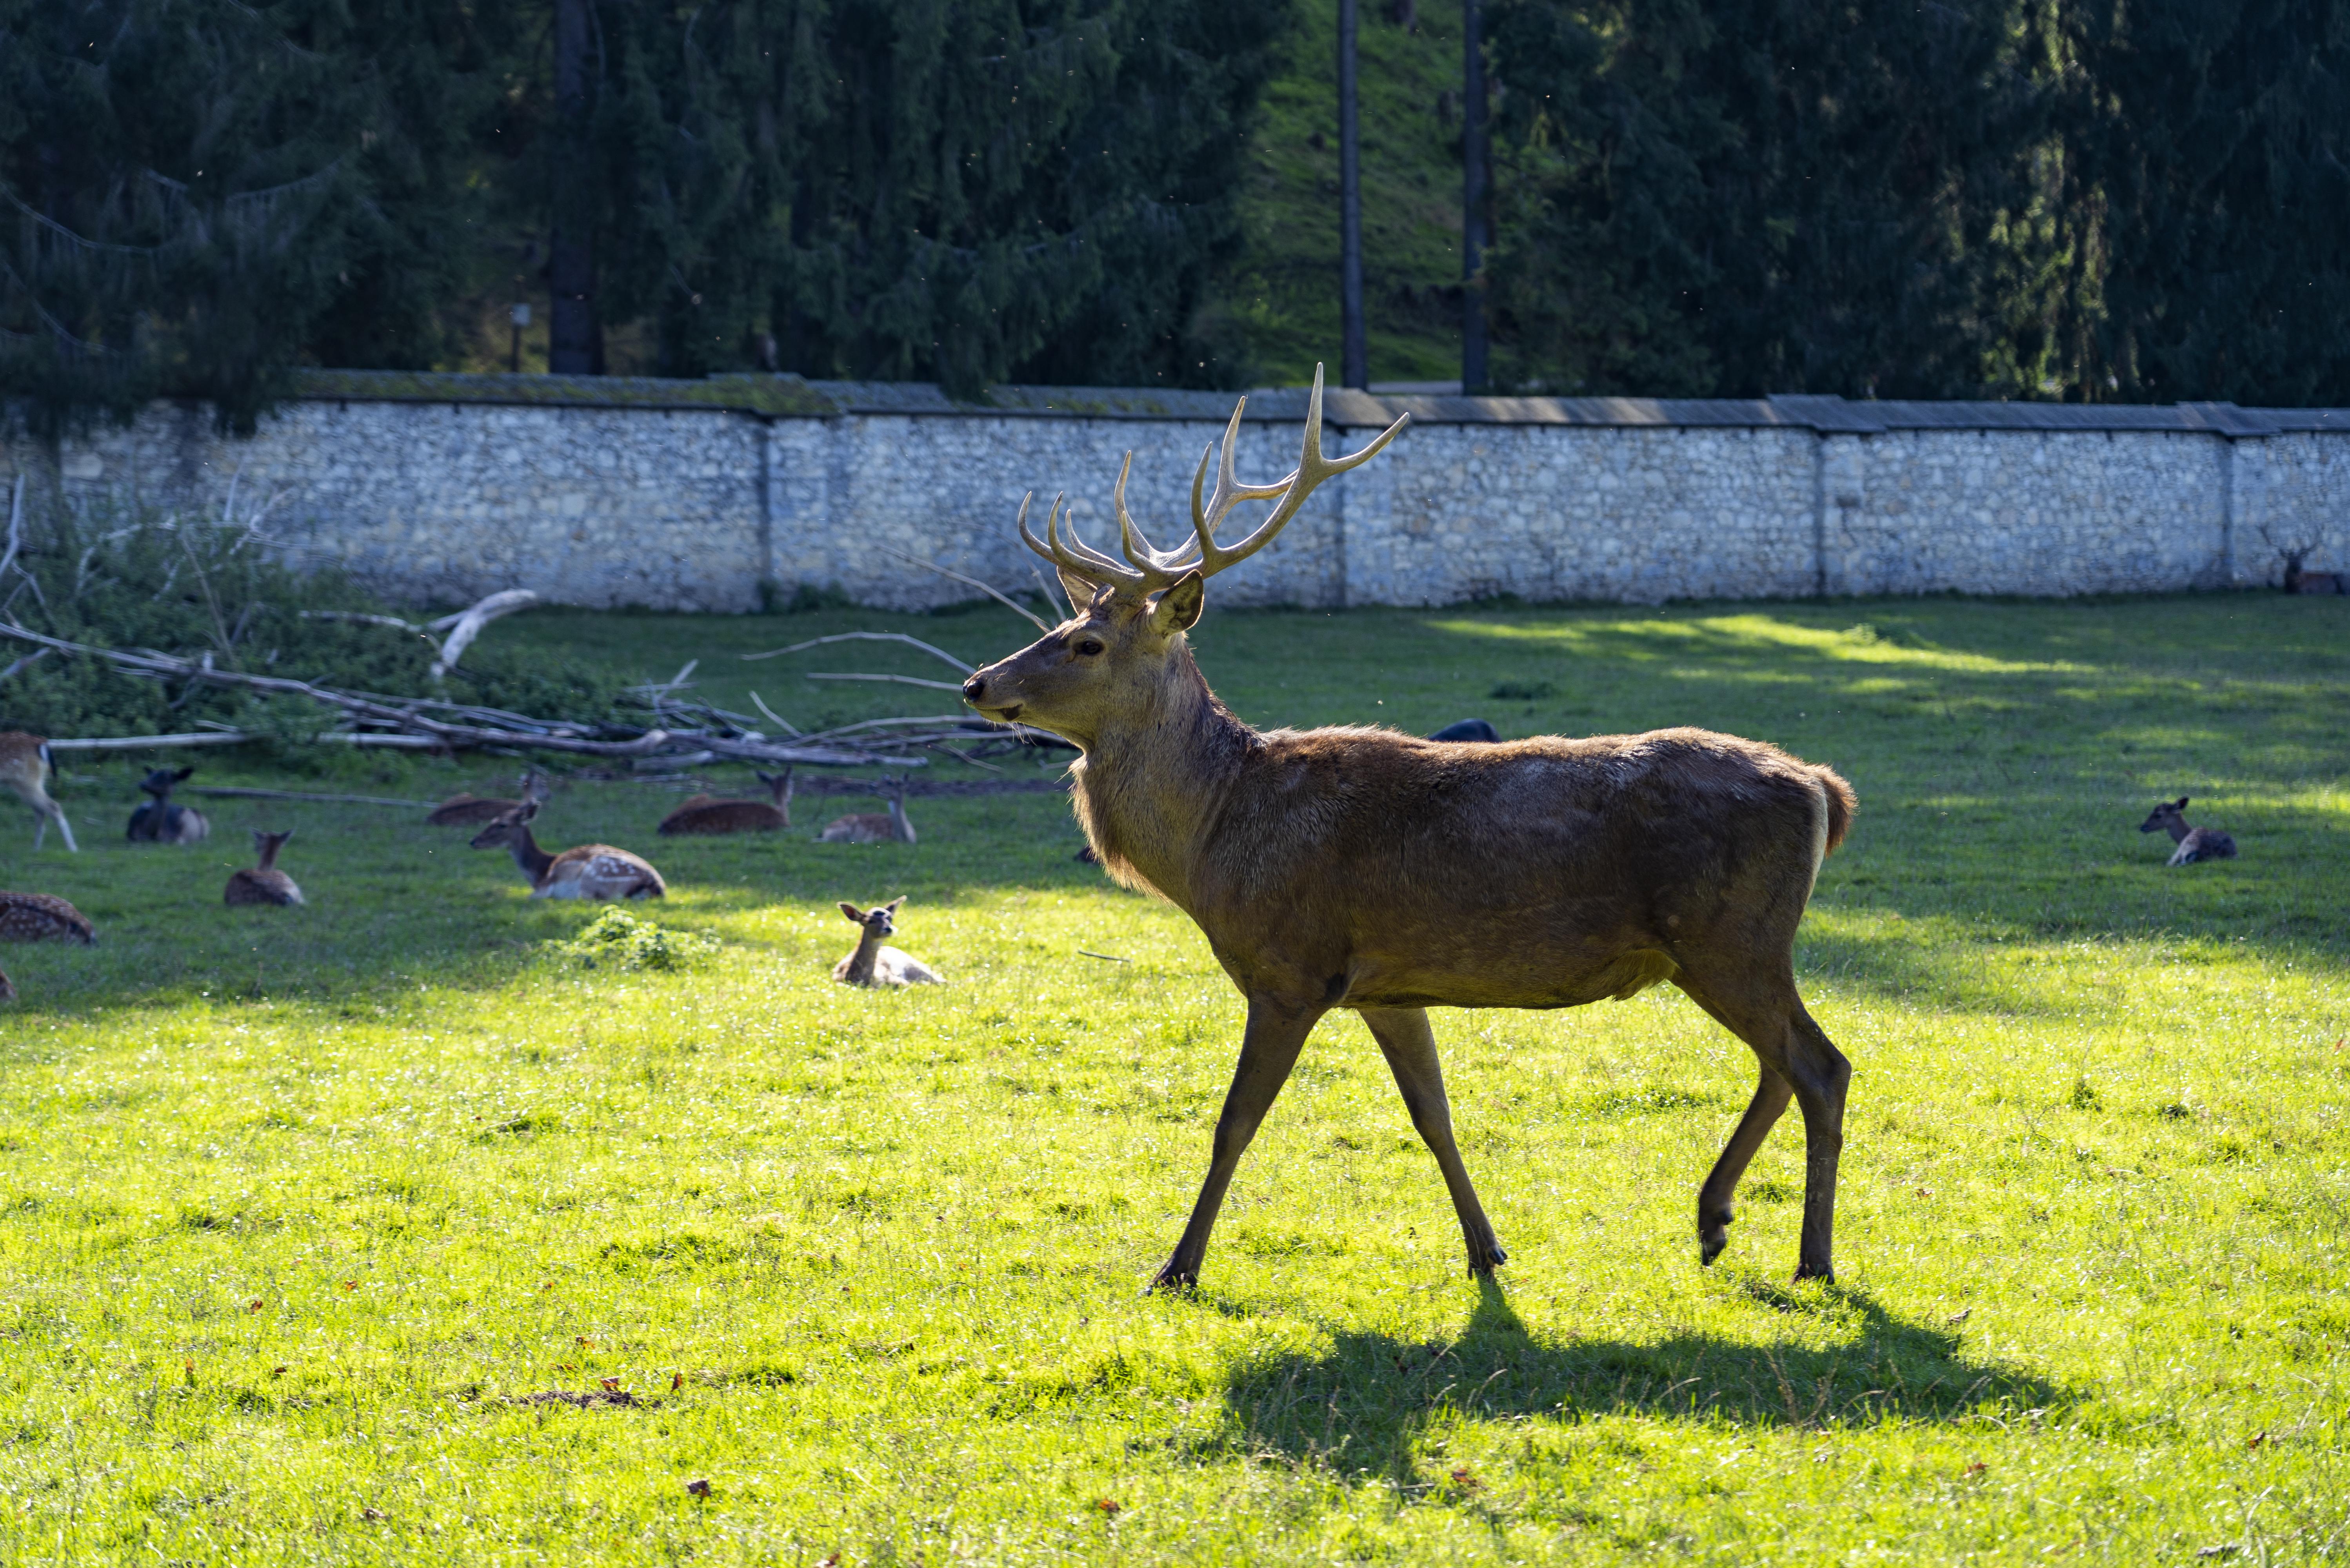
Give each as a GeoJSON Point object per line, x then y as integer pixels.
{"type": "Point", "coordinates": [301, 1209]}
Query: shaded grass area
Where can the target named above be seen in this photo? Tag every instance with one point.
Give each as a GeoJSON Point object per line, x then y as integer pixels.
{"type": "Point", "coordinates": [300, 1211]}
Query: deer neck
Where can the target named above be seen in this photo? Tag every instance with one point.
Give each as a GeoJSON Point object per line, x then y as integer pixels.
{"type": "Point", "coordinates": [528, 857]}
{"type": "Point", "coordinates": [2178, 829]}
{"type": "Point", "coordinates": [1152, 781]}
{"type": "Point", "coordinates": [268, 857]}
{"type": "Point", "coordinates": [860, 962]}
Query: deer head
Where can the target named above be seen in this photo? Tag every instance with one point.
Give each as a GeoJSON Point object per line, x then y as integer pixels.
{"type": "Point", "coordinates": [1110, 661]}
{"type": "Point", "coordinates": [2167, 818]}
{"type": "Point", "coordinates": [881, 921]}
{"type": "Point", "coordinates": [511, 829]}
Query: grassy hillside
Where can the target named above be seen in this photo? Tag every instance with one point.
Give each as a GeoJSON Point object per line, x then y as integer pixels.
{"type": "Point", "coordinates": [1285, 292]}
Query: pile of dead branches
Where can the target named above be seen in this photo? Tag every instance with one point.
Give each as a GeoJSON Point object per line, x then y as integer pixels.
{"type": "Point", "coordinates": [681, 732]}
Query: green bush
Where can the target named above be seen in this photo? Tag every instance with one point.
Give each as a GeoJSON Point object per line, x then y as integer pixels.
{"type": "Point", "coordinates": [189, 589]}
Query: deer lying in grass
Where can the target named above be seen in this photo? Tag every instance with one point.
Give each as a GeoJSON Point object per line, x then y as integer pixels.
{"type": "Point", "coordinates": [264, 883]}
{"type": "Point", "coordinates": [27, 767]}
{"type": "Point", "coordinates": [708, 814]}
{"type": "Point", "coordinates": [161, 822]}
{"type": "Point", "coordinates": [44, 917]}
{"type": "Point", "coordinates": [1366, 869]}
{"type": "Point", "coordinates": [589, 871]}
{"type": "Point", "coordinates": [2194, 842]}
{"type": "Point", "coordinates": [462, 810]}
{"type": "Point", "coordinates": [872, 826]}
{"type": "Point", "coordinates": [873, 965]}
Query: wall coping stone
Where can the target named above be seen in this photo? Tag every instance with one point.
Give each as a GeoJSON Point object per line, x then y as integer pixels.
{"type": "Point", "coordinates": [770, 397]}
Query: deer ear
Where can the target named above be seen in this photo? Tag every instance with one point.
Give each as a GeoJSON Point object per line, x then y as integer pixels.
{"type": "Point", "coordinates": [1081, 592]}
{"type": "Point", "coordinates": [1177, 609]}
{"type": "Point", "coordinates": [853, 913]}
{"type": "Point", "coordinates": [2182, 803]}
{"type": "Point", "coordinates": [892, 905]}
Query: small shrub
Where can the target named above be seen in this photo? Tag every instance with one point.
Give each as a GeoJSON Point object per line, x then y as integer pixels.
{"type": "Point", "coordinates": [619, 939]}
{"type": "Point", "coordinates": [1522, 691]}
{"type": "Point", "coordinates": [2085, 1095]}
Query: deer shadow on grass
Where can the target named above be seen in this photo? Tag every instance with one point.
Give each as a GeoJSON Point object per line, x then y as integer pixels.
{"type": "Point", "coordinates": [1361, 1404]}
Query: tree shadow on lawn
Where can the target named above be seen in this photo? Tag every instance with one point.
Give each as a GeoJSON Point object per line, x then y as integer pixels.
{"type": "Point", "coordinates": [1362, 1404]}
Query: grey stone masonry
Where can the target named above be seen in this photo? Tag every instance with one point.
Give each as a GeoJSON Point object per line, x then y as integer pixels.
{"type": "Point", "coordinates": [694, 495]}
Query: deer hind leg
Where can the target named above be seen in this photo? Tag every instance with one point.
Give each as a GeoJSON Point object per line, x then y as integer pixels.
{"type": "Point", "coordinates": [1766, 1011]}
{"type": "Point", "coordinates": [1715, 1209]}
{"type": "Point", "coordinates": [1409, 1046]}
{"type": "Point", "coordinates": [1269, 1048]}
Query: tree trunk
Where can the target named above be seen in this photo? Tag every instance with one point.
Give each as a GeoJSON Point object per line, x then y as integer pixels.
{"type": "Point", "coordinates": [574, 339]}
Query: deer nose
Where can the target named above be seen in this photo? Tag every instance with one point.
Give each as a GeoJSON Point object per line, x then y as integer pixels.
{"type": "Point", "coordinates": [973, 688]}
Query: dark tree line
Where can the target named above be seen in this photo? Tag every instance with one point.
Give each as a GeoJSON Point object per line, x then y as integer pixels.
{"type": "Point", "coordinates": [2094, 198]}
{"type": "Point", "coordinates": [2130, 200]}
{"type": "Point", "coordinates": [198, 196]}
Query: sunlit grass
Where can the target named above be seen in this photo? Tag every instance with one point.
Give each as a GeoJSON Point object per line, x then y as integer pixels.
{"type": "Point", "coordinates": [300, 1209]}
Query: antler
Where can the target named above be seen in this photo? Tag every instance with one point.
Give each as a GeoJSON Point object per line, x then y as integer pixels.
{"type": "Point", "coordinates": [1150, 568]}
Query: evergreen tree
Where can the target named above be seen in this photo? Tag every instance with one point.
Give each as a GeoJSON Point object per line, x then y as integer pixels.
{"type": "Point", "coordinates": [1786, 196]}
{"type": "Point", "coordinates": [956, 189]}
{"type": "Point", "coordinates": [196, 195]}
{"type": "Point", "coordinates": [2206, 154]}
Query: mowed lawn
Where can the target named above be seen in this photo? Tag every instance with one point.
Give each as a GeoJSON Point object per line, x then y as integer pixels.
{"type": "Point", "coordinates": [302, 1211]}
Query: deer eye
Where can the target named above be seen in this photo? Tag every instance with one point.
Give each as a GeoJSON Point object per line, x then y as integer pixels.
{"type": "Point", "coordinates": [1090, 647]}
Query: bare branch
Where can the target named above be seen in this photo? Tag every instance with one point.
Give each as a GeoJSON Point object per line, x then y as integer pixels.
{"type": "Point", "coordinates": [899, 680]}
{"type": "Point", "coordinates": [948, 572]}
{"type": "Point", "coordinates": [773, 717]}
{"type": "Point", "coordinates": [465, 626]}
{"type": "Point", "coordinates": [939, 653]}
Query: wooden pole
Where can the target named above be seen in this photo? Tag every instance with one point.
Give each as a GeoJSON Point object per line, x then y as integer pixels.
{"type": "Point", "coordinates": [1473, 238]}
{"type": "Point", "coordinates": [1354, 336]}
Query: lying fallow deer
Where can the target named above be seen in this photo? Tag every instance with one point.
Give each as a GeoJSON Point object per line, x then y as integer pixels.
{"type": "Point", "coordinates": [2297, 581]}
{"type": "Point", "coordinates": [872, 826]}
{"type": "Point", "coordinates": [462, 810]}
{"type": "Point", "coordinates": [708, 814]}
{"type": "Point", "coordinates": [264, 883]}
{"type": "Point", "coordinates": [27, 767]}
{"type": "Point", "coordinates": [1365, 869]}
{"type": "Point", "coordinates": [161, 822]}
{"type": "Point", "coordinates": [589, 871]}
{"type": "Point", "coordinates": [2194, 842]}
{"type": "Point", "coordinates": [873, 965]}
{"type": "Point", "coordinates": [44, 917]}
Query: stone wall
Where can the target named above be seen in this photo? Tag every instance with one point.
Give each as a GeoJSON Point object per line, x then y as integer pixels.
{"type": "Point", "coordinates": [692, 495]}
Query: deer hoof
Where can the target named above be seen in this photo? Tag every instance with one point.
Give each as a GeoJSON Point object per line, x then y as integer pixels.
{"type": "Point", "coordinates": [1175, 1277]}
{"type": "Point", "coordinates": [1483, 1260]}
{"type": "Point", "coordinates": [1823, 1272]}
{"type": "Point", "coordinates": [1710, 1245]}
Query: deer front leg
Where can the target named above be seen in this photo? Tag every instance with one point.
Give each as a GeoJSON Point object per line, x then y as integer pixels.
{"type": "Point", "coordinates": [1269, 1048]}
{"type": "Point", "coordinates": [1409, 1046]}
{"type": "Point", "coordinates": [1714, 1210]}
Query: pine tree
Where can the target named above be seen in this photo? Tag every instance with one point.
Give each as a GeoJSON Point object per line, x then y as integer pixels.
{"type": "Point", "coordinates": [195, 195]}
{"type": "Point", "coordinates": [2206, 154]}
{"type": "Point", "coordinates": [953, 189]}
{"type": "Point", "coordinates": [1784, 196]}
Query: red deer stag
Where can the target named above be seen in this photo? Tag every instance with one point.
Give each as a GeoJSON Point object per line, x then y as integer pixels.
{"type": "Point", "coordinates": [1366, 869]}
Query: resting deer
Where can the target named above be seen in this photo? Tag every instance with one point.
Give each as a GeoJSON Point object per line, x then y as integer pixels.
{"type": "Point", "coordinates": [872, 826]}
{"type": "Point", "coordinates": [44, 917]}
{"type": "Point", "coordinates": [462, 810]}
{"type": "Point", "coordinates": [1365, 869]}
{"type": "Point", "coordinates": [2297, 581]}
{"type": "Point", "coordinates": [2194, 842]}
{"type": "Point", "coordinates": [589, 871]}
{"type": "Point", "coordinates": [873, 965]}
{"type": "Point", "coordinates": [264, 883]}
{"type": "Point", "coordinates": [161, 822]}
{"type": "Point", "coordinates": [708, 814]}
{"type": "Point", "coordinates": [27, 767]}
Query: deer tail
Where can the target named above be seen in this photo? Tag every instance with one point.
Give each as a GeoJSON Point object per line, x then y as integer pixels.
{"type": "Point", "coordinates": [1840, 804]}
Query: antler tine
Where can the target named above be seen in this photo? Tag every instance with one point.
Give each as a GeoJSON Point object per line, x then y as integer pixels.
{"type": "Point", "coordinates": [1229, 491]}
{"type": "Point", "coordinates": [1311, 469]}
{"type": "Point", "coordinates": [1076, 557]}
{"type": "Point", "coordinates": [1158, 568]}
